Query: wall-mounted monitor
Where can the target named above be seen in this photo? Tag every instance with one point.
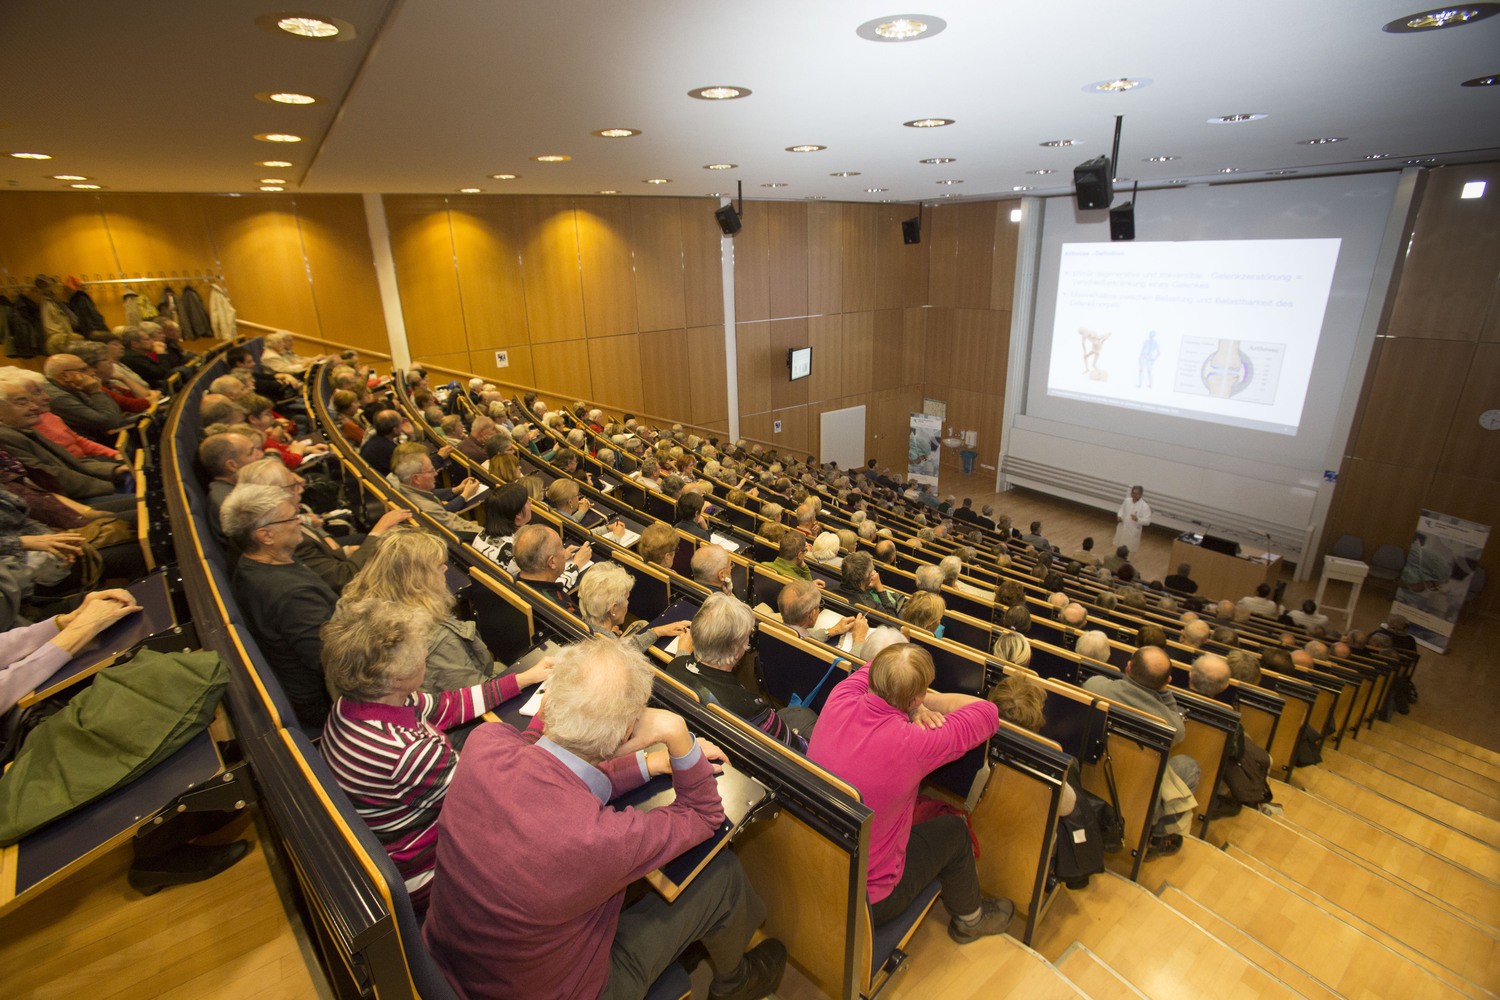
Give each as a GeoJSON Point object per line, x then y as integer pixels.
{"type": "Point", "coordinates": [799, 361]}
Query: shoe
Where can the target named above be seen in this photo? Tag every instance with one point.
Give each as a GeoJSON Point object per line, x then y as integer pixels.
{"type": "Point", "coordinates": [763, 967]}
{"type": "Point", "coordinates": [188, 863]}
{"type": "Point", "coordinates": [1164, 846]}
{"type": "Point", "coordinates": [995, 916]}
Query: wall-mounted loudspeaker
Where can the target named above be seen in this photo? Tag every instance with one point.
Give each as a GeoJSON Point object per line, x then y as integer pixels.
{"type": "Point", "coordinates": [1122, 222]}
{"type": "Point", "coordinates": [1093, 183]}
{"type": "Point", "coordinates": [729, 220]}
{"type": "Point", "coordinates": [911, 230]}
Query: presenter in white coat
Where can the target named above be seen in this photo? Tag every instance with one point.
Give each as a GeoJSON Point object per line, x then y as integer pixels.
{"type": "Point", "coordinates": [1134, 515]}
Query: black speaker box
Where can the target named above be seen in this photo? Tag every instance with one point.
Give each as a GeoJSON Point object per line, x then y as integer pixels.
{"type": "Point", "coordinates": [1122, 222]}
{"type": "Point", "coordinates": [1093, 183]}
{"type": "Point", "coordinates": [911, 230]}
{"type": "Point", "coordinates": [729, 220]}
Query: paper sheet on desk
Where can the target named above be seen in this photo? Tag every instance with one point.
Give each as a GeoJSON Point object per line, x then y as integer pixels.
{"type": "Point", "coordinates": [534, 703]}
{"type": "Point", "coordinates": [827, 618]}
{"type": "Point", "coordinates": [728, 543]}
{"type": "Point", "coordinates": [626, 540]}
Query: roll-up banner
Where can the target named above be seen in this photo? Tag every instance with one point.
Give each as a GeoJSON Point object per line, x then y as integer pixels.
{"type": "Point", "coordinates": [1439, 567]}
{"type": "Point", "coordinates": [924, 449]}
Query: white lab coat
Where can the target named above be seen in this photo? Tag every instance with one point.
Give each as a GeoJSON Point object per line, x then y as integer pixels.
{"type": "Point", "coordinates": [1128, 532]}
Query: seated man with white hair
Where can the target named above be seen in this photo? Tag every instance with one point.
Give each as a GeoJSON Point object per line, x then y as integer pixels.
{"type": "Point", "coordinates": [545, 564]}
{"type": "Point", "coordinates": [718, 639]}
{"type": "Point", "coordinates": [1093, 644]}
{"type": "Point", "coordinates": [712, 567]}
{"type": "Point", "coordinates": [929, 579]}
{"type": "Point", "coordinates": [799, 603]}
{"type": "Point", "coordinates": [414, 473]}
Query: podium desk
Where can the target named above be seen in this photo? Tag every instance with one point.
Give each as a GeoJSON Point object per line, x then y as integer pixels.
{"type": "Point", "coordinates": [1221, 576]}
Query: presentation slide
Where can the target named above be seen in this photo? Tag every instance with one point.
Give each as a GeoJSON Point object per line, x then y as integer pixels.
{"type": "Point", "coordinates": [1224, 331]}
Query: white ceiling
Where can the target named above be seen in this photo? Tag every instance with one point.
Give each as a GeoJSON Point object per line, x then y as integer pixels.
{"type": "Point", "coordinates": [435, 95]}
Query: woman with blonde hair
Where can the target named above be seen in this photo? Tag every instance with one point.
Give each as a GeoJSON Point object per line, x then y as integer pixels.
{"type": "Point", "coordinates": [925, 610]}
{"type": "Point", "coordinates": [407, 569]}
{"type": "Point", "coordinates": [604, 604]}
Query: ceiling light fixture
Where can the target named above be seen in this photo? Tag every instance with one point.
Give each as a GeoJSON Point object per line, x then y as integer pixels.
{"type": "Point", "coordinates": [1472, 189]}
{"type": "Point", "coordinates": [1482, 81]}
{"type": "Point", "coordinates": [617, 133]}
{"type": "Point", "coordinates": [470, 190]}
{"type": "Point", "coordinates": [1119, 86]}
{"type": "Point", "coordinates": [273, 180]}
{"type": "Point", "coordinates": [845, 173]}
{"type": "Point", "coordinates": [552, 158]}
{"type": "Point", "coordinates": [1235, 119]}
{"type": "Point", "coordinates": [32, 156]}
{"type": "Point", "coordinates": [814, 197]}
{"type": "Point", "coordinates": [1015, 215]}
{"type": "Point", "coordinates": [609, 192]}
{"type": "Point", "coordinates": [272, 188]}
{"type": "Point", "coordinates": [805, 149]}
{"type": "Point", "coordinates": [1061, 143]}
{"type": "Point", "coordinates": [1376, 156]}
{"type": "Point", "coordinates": [504, 177]}
{"type": "Point", "coordinates": [901, 28]}
{"type": "Point", "coordinates": [775, 184]}
{"type": "Point", "coordinates": [720, 93]}
{"type": "Point", "coordinates": [285, 97]}
{"type": "Point", "coordinates": [1160, 159]}
{"type": "Point", "coordinates": [1442, 17]}
{"type": "Point", "coordinates": [928, 122]}
{"type": "Point", "coordinates": [950, 182]}
{"type": "Point", "coordinates": [69, 177]}
{"type": "Point", "coordinates": [1280, 173]}
{"type": "Point", "coordinates": [1229, 170]}
{"type": "Point", "coordinates": [1021, 187]}
{"type": "Point", "coordinates": [1043, 172]}
{"type": "Point", "coordinates": [1323, 140]}
{"type": "Point", "coordinates": [277, 137]}
{"type": "Point", "coordinates": [657, 180]}
{"type": "Point", "coordinates": [87, 187]}
{"type": "Point", "coordinates": [876, 190]}
{"type": "Point", "coordinates": [273, 163]}
{"type": "Point", "coordinates": [719, 166]}
{"type": "Point", "coordinates": [1421, 161]}
{"type": "Point", "coordinates": [940, 159]}
{"type": "Point", "coordinates": [307, 26]}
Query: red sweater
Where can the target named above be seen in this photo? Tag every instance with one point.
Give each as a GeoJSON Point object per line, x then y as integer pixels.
{"type": "Point", "coordinates": [532, 868]}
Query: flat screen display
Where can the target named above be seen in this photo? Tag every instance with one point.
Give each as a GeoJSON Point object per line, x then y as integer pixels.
{"type": "Point", "coordinates": [799, 360]}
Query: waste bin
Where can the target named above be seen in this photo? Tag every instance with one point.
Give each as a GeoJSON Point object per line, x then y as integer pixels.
{"type": "Point", "coordinates": [968, 455]}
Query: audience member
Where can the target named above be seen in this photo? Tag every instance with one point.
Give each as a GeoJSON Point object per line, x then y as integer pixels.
{"type": "Point", "coordinates": [412, 468]}
{"type": "Point", "coordinates": [860, 584]}
{"type": "Point", "coordinates": [799, 603]}
{"type": "Point", "coordinates": [604, 605]}
{"type": "Point", "coordinates": [545, 564]}
{"type": "Point", "coordinates": [1182, 580]}
{"type": "Point", "coordinates": [1308, 617]}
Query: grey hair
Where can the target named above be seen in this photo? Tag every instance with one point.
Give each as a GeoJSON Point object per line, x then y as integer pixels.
{"type": "Point", "coordinates": [721, 629]}
{"type": "Point", "coordinates": [867, 529]}
{"type": "Point", "coordinates": [878, 639]}
{"type": "Point", "coordinates": [951, 567]}
{"type": "Point", "coordinates": [265, 472]}
{"type": "Point", "coordinates": [708, 562]}
{"type": "Point", "coordinates": [603, 586]}
{"type": "Point", "coordinates": [596, 693]}
{"type": "Point", "coordinates": [799, 601]}
{"type": "Point", "coordinates": [1199, 680]}
{"type": "Point", "coordinates": [825, 546]}
{"type": "Point", "coordinates": [856, 570]}
{"type": "Point", "coordinates": [409, 462]}
{"type": "Point", "coordinates": [929, 578]}
{"type": "Point", "coordinates": [1094, 644]}
{"type": "Point", "coordinates": [372, 645]}
{"type": "Point", "coordinates": [1013, 647]}
{"type": "Point", "coordinates": [248, 508]}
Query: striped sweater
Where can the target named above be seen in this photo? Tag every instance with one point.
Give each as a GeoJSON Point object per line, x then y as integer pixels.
{"type": "Point", "coordinates": [395, 764]}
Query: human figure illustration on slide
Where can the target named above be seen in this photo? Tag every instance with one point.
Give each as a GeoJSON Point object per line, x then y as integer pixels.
{"type": "Point", "coordinates": [1150, 351]}
{"type": "Point", "coordinates": [1226, 372]}
{"type": "Point", "coordinates": [1092, 342]}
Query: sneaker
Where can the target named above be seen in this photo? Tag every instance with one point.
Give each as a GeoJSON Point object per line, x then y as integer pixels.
{"type": "Point", "coordinates": [995, 916]}
{"type": "Point", "coordinates": [763, 967]}
{"type": "Point", "coordinates": [1164, 846]}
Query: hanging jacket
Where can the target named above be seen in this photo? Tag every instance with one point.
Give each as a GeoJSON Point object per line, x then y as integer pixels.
{"type": "Point", "coordinates": [133, 315]}
{"type": "Point", "coordinates": [221, 311]}
{"type": "Point", "coordinates": [89, 317]}
{"type": "Point", "coordinates": [193, 317]}
{"type": "Point", "coordinates": [23, 333]}
{"type": "Point", "coordinates": [54, 319]}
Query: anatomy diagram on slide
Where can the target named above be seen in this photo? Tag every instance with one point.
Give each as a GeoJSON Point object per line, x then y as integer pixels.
{"type": "Point", "coordinates": [1243, 370]}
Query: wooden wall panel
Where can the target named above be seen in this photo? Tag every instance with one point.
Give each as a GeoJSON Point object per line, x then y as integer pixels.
{"type": "Point", "coordinates": [667, 374]}
{"type": "Point", "coordinates": [1381, 502]}
{"type": "Point", "coordinates": [702, 267]}
{"type": "Point", "coordinates": [752, 351]}
{"type": "Point", "coordinates": [962, 255]}
{"type": "Point", "coordinates": [901, 269]}
{"type": "Point", "coordinates": [426, 276]}
{"type": "Point", "coordinates": [784, 335]}
{"type": "Point", "coordinates": [257, 241]}
{"type": "Point", "coordinates": [752, 266]}
{"type": "Point", "coordinates": [336, 244]}
{"type": "Point", "coordinates": [1453, 258]}
{"type": "Point", "coordinates": [706, 374]}
{"type": "Point", "coordinates": [981, 344]}
{"type": "Point", "coordinates": [61, 233]}
{"type": "Point", "coordinates": [615, 371]}
{"type": "Point", "coordinates": [787, 228]}
{"type": "Point", "coordinates": [887, 351]}
{"type": "Point", "coordinates": [825, 337]}
{"type": "Point", "coordinates": [549, 268]}
{"type": "Point", "coordinates": [888, 424]}
{"type": "Point", "coordinates": [660, 293]}
{"type": "Point", "coordinates": [858, 352]}
{"type": "Point", "coordinates": [562, 368]}
{"type": "Point", "coordinates": [862, 236]}
{"type": "Point", "coordinates": [1007, 249]}
{"type": "Point", "coordinates": [793, 437]}
{"type": "Point", "coordinates": [161, 233]}
{"type": "Point", "coordinates": [487, 249]}
{"type": "Point", "coordinates": [519, 372]}
{"type": "Point", "coordinates": [1416, 383]}
{"type": "Point", "coordinates": [825, 257]}
{"type": "Point", "coordinates": [605, 259]}
{"type": "Point", "coordinates": [1472, 451]}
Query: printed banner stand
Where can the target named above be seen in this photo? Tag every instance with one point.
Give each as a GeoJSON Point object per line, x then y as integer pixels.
{"type": "Point", "coordinates": [1439, 567]}
{"type": "Point", "coordinates": [924, 449]}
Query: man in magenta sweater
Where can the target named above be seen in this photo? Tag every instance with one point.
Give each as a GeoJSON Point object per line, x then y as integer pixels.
{"type": "Point", "coordinates": [883, 730]}
{"type": "Point", "coordinates": [532, 861]}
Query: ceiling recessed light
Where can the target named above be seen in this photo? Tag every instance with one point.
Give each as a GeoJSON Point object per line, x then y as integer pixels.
{"type": "Point", "coordinates": [876, 190]}
{"type": "Point", "coordinates": [273, 163]}
{"type": "Point", "coordinates": [720, 93]}
{"type": "Point", "coordinates": [1061, 143]}
{"type": "Point", "coordinates": [617, 133]}
{"type": "Point", "coordinates": [470, 190]}
{"type": "Point", "coordinates": [1021, 187]}
{"type": "Point", "coordinates": [775, 184]}
{"type": "Point", "coordinates": [1015, 215]}
{"type": "Point", "coordinates": [1280, 173]}
{"type": "Point", "coordinates": [1442, 17]}
{"type": "Point", "coordinates": [273, 180]}
{"type": "Point", "coordinates": [1235, 119]}
{"type": "Point", "coordinates": [1323, 140]}
{"type": "Point", "coordinates": [950, 182]}
{"type": "Point", "coordinates": [1473, 189]}
{"type": "Point", "coordinates": [1159, 159]}
{"type": "Point", "coordinates": [1043, 172]}
{"type": "Point", "coordinates": [940, 159]}
{"type": "Point", "coordinates": [1118, 86]}
{"type": "Point", "coordinates": [32, 156]}
{"type": "Point", "coordinates": [308, 26]}
{"type": "Point", "coordinates": [609, 192]}
{"type": "Point", "coordinates": [1482, 81]}
{"type": "Point", "coordinates": [1376, 156]}
{"type": "Point", "coordinates": [928, 122]}
{"type": "Point", "coordinates": [806, 149]}
{"type": "Point", "coordinates": [658, 180]}
{"type": "Point", "coordinates": [844, 173]}
{"type": "Point", "coordinates": [272, 188]}
{"type": "Point", "coordinates": [277, 137]}
{"type": "Point", "coordinates": [504, 177]}
{"type": "Point", "coordinates": [552, 158]}
{"type": "Point", "coordinates": [950, 196]}
{"type": "Point", "coordinates": [69, 177]}
{"type": "Point", "coordinates": [1183, 180]}
{"type": "Point", "coordinates": [1229, 170]}
{"type": "Point", "coordinates": [814, 197]}
{"type": "Point", "coordinates": [1421, 161]}
{"type": "Point", "coordinates": [719, 166]}
{"type": "Point", "coordinates": [86, 187]}
{"type": "Point", "coordinates": [285, 97]}
{"type": "Point", "coordinates": [901, 28]}
{"type": "Point", "coordinates": [714, 194]}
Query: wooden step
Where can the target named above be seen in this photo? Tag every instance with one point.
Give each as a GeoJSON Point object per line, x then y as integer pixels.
{"type": "Point", "coordinates": [1271, 924]}
{"type": "Point", "coordinates": [1158, 950]}
{"type": "Point", "coordinates": [994, 966]}
{"type": "Point", "coordinates": [1090, 974]}
{"type": "Point", "coordinates": [1413, 793]}
{"type": "Point", "coordinates": [1343, 887]}
{"type": "Point", "coordinates": [1404, 722]}
{"type": "Point", "coordinates": [1397, 857]}
{"type": "Point", "coordinates": [1433, 763]}
{"type": "Point", "coordinates": [1397, 817]}
{"type": "Point", "coordinates": [1455, 791]}
{"type": "Point", "coordinates": [1391, 738]}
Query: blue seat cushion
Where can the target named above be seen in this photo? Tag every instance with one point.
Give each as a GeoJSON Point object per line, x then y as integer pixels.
{"type": "Point", "coordinates": [889, 934]}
